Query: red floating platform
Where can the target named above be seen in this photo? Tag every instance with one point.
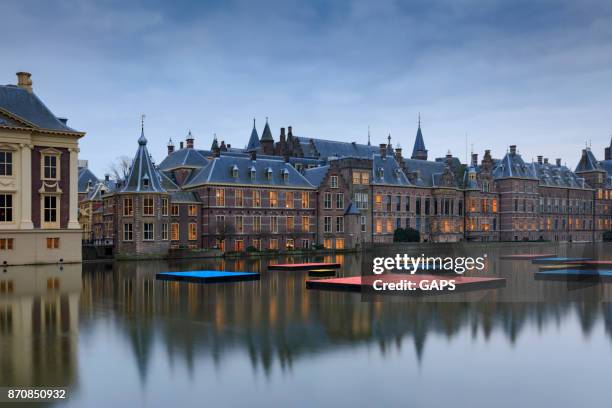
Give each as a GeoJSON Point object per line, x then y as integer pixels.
{"type": "Point", "coordinates": [303, 266]}
{"type": "Point", "coordinates": [364, 283]}
{"type": "Point", "coordinates": [527, 256]}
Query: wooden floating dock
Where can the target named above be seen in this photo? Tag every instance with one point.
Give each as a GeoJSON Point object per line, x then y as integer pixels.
{"type": "Point", "coordinates": [322, 272]}
{"type": "Point", "coordinates": [300, 266]}
{"type": "Point", "coordinates": [526, 257]}
{"type": "Point", "coordinates": [574, 274]}
{"type": "Point", "coordinates": [558, 260]}
{"type": "Point", "coordinates": [364, 283]}
{"type": "Point", "coordinates": [208, 276]}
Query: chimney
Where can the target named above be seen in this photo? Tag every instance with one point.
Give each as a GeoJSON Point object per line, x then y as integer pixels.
{"type": "Point", "coordinates": [282, 135]}
{"type": "Point", "coordinates": [289, 132]}
{"type": "Point", "coordinates": [24, 80]}
{"type": "Point", "coordinates": [608, 153]}
{"type": "Point", "coordinates": [398, 153]}
{"type": "Point", "coordinates": [181, 145]}
{"type": "Point", "coordinates": [229, 146]}
{"type": "Point", "coordinates": [107, 177]}
{"type": "Point", "coordinates": [253, 155]}
{"type": "Point", "coordinates": [558, 162]}
{"type": "Point", "coordinates": [383, 150]}
{"type": "Point", "coordinates": [223, 147]}
{"type": "Point", "coordinates": [474, 159]}
{"type": "Point", "coordinates": [170, 147]}
{"type": "Point", "coordinates": [546, 160]}
{"type": "Point", "coordinates": [513, 149]}
{"type": "Point", "coordinates": [540, 159]}
{"type": "Point", "coordinates": [189, 140]}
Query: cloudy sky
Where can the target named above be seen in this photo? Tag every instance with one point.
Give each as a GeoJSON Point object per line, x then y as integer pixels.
{"type": "Point", "coordinates": [534, 73]}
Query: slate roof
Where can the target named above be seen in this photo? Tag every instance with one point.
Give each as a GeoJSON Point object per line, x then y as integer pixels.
{"type": "Point", "coordinates": [306, 161]}
{"type": "Point", "coordinates": [324, 149]}
{"type": "Point", "coordinates": [143, 176]}
{"type": "Point", "coordinates": [267, 134]}
{"type": "Point", "coordinates": [419, 144]}
{"type": "Point", "coordinates": [254, 139]}
{"type": "Point", "coordinates": [219, 171]}
{"type": "Point", "coordinates": [387, 171]}
{"type": "Point", "coordinates": [607, 166]}
{"type": "Point", "coordinates": [184, 197]}
{"type": "Point", "coordinates": [96, 192]}
{"type": "Point", "coordinates": [352, 209]}
{"type": "Point", "coordinates": [426, 170]}
{"type": "Point", "coordinates": [85, 175]}
{"type": "Point", "coordinates": [28, 107]}
{"type": "Point", "coordinates": [185, 158]}
{"type": "Point", "coordinates": [470, 183]}
{"type": "Point", "coordinates": [588, 162]}
{"type": "Point", "coordinates": [551, 175]}
{"type": "Point", "coordinates": [167, 181]}
{"type": "Point", "coordinates": [512, 165]}
{"type": "Point", "coordinates": [316, 175]}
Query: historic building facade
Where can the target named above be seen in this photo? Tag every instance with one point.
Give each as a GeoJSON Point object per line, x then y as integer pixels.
{"type": "Point", "coordinates": [38, 180]}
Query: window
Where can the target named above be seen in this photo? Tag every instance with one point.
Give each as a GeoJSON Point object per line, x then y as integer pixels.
{"type": "Point", "coordinates": [361, 199]}
{"type": "Point", "coordinates": [147, 205]}
{"type": "Point", "coordinates": [50, 209]}
{"type": "Point", "coordinates": [273, 198]}
{"type": "Point", "coordinates": [239, 245]}
{"type": "Point", "coordinates": [340, 201]}
{"type": "Point", "coordinates": [174, 231]}
{"type": "Point", "coordinates": [327, 224]}
{"type": "Point", "coordinates": [334, 181]}
{"type": "Point", "coordinates": [339, 224]}
{"type": "Point", "coordinates": [6, 163]}
{"type": "Point", "coordinates": [192, 210]}
{"type": "Point", "coordinates": [193, 231]}
{"type": "Point", "coordinates": [164, 231]}
{"type": "Point", "coordinates": [147, 231]}
{"type": "Point", "coordinates": [305, 224]}
{"type": "Point", "coordinates": [378, 226]}
{"type": "Point", "coordinates": [398, 203]}
{"type": "Point", "coordinates": [6, 244]}
{"type": "Point", "coordinates": [290, 224]}
{"type": "Point", "coordinates": [356, 177]}
{"type": "Point", "coordinates": [256, 223]}
{"type": "Point", "coordinates": [289, 244]}
{"type": "Point", "coordinates": [327, 201]}
{"type": "Point", "coordinates": [256, 198]}
{"type": "Point", "coordinates": [220, 225]}
{"type": "Point", "coordinates": [327, 243]}
{"type": "Point", "coordinates": [239, 224]}
{"type": "Point", "coordinates": [362, 222]}
{"type": "Point", "coordinates": [128, 208]}
{"type": "Point", "coordinates": [389, 225]}
{"type": "Point", "coordinates": [239, 198]}
{"type": "Point", "coordinates": [6, 207]}
{"type": "Point", "coordinates": [219, 197]}
{"type": "Point", "coordinates": [257, 244]}
{"type": "Point", "coordinates": [305, 200]}
{"type": "Point", "coordinates": [53, 243]}
{"type": "Point", "coordinates": [164, 205]}
{"type": "Point", "coordinates": [273, 244]}
{"type": "Point", "coordinates": [50, 169]}
{"type": "Point", "coordinates": [274, 224]}
{"type": "Point", "coordinates": [127, 232]}
{"type": "Point", "coordinates": [494, 205]}
{"type": "Point", "coordinates": [305, 243]}
{"type": "Point", "coordinates": [339, 243]}
{"type": "Point", "coordinates": [289, 199]}
{"type": "Point", "coordinates": [365, 177]}
{"type": "Point", "coordinates": [175, 210]}
{"type": "Point", "coordinates": [378, 202]}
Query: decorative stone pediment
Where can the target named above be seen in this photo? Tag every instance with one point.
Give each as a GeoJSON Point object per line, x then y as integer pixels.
{"type": "Point", "coordinates": [50, 187]}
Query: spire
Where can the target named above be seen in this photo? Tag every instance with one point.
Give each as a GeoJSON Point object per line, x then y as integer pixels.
{"type": "Point", "coordinates": [266, 136]}
{"type": "Point", "coordinates": [215, 145]}
{"type": "Point", "coordinates": [369, 144]}
{"type": "Point", "coordinates": [170, 143]}
{"type": "Point", "coordinates": [254, 139]}
{"type": "Point", "coordinates": [143, 175]}
{"type": "Point", "coordinates": [142, 140]}
{"type": "Point", "coordinates": [419, 152]}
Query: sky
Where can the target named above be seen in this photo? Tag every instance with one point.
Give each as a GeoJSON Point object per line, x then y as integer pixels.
{"type": "Point", "coordinates": [537, 74]}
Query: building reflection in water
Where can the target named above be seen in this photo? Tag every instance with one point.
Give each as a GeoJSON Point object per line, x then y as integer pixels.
{"type": "Point", "coordinates": [39, 325]}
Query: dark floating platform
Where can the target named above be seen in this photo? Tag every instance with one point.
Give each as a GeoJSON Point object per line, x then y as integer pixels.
{"type": "Point", "coordinates": [574, 274]}
{"type": "Point", "coordinates": [364, 283]}
{"type": "Point", "coordinates": [558, 260]}
{"type": "Point", "coordinates": [590, 264]}
{"type": "Point", "coordinates": [207, 276]}
{"type": "Point", "coordinates": [526, 257]}
{"type": "Point", "coordinates": [322, 272]}
{"type": "Point", "coordinates": [299, 266]}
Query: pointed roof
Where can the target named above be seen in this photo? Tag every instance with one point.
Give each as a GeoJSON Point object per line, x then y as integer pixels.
{"type": "Point", "coordinates": [588, 162]}
{"type": "Point", "coordinates": [419, 144]}
{"type": "Point", "coordinates": [143, 176]}
{"type": "Point", "coordinates": [254, 139]}
{"type": "Point", "coordinates": [266, 136]}
{"type": "Point", "coordinates": [215, 144]}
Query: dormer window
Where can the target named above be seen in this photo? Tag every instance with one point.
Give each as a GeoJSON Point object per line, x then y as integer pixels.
{"type": "Point", "coordinates": [381, 172]}
{"type": "Point", "coordinates": [145, 182]}
{"type": "Point", "coordinates": [235, 171]}
{"type": "Point", "coordinates": [286, 175]}
{"type": "Point", "coordinates": [269, 173]}
{"type": "Point", "coordinates": [252, 172]}
{"type": "Point", "coordinates": [485, 186]}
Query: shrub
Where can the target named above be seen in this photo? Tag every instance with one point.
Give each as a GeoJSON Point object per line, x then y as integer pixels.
{"type": "Point", "coordinates": [406, 235]}
{"type": "Point", "coordinates": [251, 248]}
{"type": "Point", "coordinates": [607, 236]}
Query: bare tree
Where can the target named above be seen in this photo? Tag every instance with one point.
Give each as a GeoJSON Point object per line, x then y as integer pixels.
{"type": "Point", "coordinates": [120, 167]}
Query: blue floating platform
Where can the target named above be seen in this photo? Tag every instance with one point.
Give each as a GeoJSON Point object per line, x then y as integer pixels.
{"type": "Point", "coordinates": [207, 276]}
{"type": "Point", "coordinates": [574, 274]}
{"type": "Point", "coordinates": [557, 260]}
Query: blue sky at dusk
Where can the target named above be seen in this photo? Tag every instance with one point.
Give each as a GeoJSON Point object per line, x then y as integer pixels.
{"type": "Point", "coordinates": [536, 74]}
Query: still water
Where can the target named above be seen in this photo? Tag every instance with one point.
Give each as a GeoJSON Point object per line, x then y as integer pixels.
{"type": "Point", "coordinates": [117, 337]}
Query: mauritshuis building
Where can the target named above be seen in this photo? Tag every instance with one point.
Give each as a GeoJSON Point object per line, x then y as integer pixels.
{"type": "Point", "coordinates": [295, 192]}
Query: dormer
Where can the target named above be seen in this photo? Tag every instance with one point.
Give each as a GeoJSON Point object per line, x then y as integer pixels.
{"type": "Point", "coordinates": [252, 172]}
{"type": "Point", "coordinates": [234, 171]}
{"type": "Point", "coordinates": [269, 173]}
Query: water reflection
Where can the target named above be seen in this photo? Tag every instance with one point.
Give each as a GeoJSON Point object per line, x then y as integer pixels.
{"type": "Point", "coordinates": [46, 312]}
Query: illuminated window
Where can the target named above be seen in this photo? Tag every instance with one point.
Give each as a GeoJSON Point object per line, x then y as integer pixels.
{"type": "Point", "coordinates": [219, 197]}
{"type": "Point", "coordinates": [365, 177]}
{"type": "Point", "coordinates": [6, 163]}
{"type": "Point", "coordinates": [356, 177]}
{"type": "Point", "coordinates": [128, 208]}
{"type": "Point", "coordinates": [6, 207]}
{"type": "Point", "coordinates": [256, 198]}
{"type": "Point", "coordinates": [305, 224]}
{"type": "Point", "coordinates": [174, 233]}
{"type": "Point", "coordinates": [6, 244]}
{"type": "Point", "coordinates": [378, 226]}
{"type": "Point", "coordinates": [192, 210]}
{"type": "Point", "coordinates": [378, 202]}
{"type": "Point", "coordinates": [193, 231]}
{"type": "Point", "coordinates": [164, 205]}
{"type": "Point", "coordinates": [273, 244]}
{"type": "Point", "coordinates": [147, 231]}
{"type": "Point", "coordinates": [339, 243]}
{"type": "Point", "coordinates": [127, 232]}
{"type": "Point", "coordinates": [256, 223]}
{"type": "Point", "coordinates": [289, 244]}
{"type": "Point", "coordinates": [273, 198]}
{"type": "Point", "coordinates": [239, 198]}
{"type": "Point", "coordinates": [53, 243]}
{"type": "Point", "coordinates": [289, 199]}
{"type": "Point", "coordinates": [290, 224]}
{"type": "Point", "coordinates": [305, 199]}
{"type": "Point", "coordinates": [147, 206]}
{"type": "Point", "coordinates": [494, 205]}
{"type": "Point", "coordinates": [327, 243]}
{"type": "Point", "coordinates": [389, 225]}
{"type": "Point", "coordinates": [239, 245]}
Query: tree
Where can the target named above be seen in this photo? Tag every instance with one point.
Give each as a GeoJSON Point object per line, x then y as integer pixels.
{"type": "Point", "coordinates": [406, 235]}
{"type": "Point", "coordinates": [120, 167]}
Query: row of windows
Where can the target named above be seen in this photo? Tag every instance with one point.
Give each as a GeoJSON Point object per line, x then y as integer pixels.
{"type": "Point", "coordinates": [339, 201]}
{"type": "Point", "coordinates": [443, 206]}
{"type": "Point", "coordinates": [256, 198]}
{"type": "Point", "coordinates": [273, 244]}
{"type": "Point", "coordinates": [8, 244]}
{"type": "Point", "coordinates": [148, 231]}
{"type": "Point", "coordinates": [49, 164]}
{"type": "Point", "coordinates": [148, 207]}
{"type": "Point", "coordinates": [50, 208]}
{"type": "Point", "coordinates": [238, 226]}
